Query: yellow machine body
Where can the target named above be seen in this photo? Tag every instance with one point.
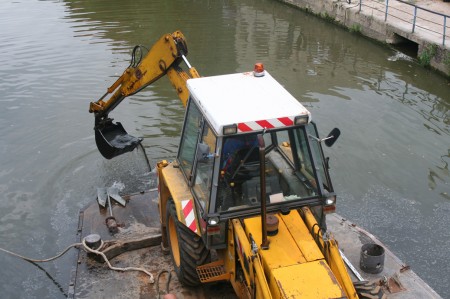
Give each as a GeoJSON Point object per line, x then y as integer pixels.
{"type": "Point", "coordinates": [297, 261]}
{"type": "Point", "coordinates": [294, 266]}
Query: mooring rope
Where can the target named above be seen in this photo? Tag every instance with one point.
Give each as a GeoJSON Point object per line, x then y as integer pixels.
{"type": "Point", "coordinates": [40, 261]}
{"type": "Point", "coordinates": [87, 249]}
{"type": "Point", "coordinates": [116, 268]}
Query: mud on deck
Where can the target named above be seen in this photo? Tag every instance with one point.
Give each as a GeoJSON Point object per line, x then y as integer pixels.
{"type": "Point", "coordinates": [137, 244]}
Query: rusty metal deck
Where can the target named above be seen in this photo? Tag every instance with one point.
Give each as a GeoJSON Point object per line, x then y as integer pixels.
{"type": "Point", "coordinates": [398, 279]}
{"type": "Point", "coordinates": [137, 245]}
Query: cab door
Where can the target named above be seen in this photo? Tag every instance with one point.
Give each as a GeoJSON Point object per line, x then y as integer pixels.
{"type": "Point", "coordinates": [196, 159]}
{"type": "Point", "coordinates": [189, 139]}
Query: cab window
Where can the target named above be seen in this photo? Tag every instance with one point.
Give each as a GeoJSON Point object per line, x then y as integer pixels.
{"type": "Point", "coordinates": [301, 146]}
{"type": "Point", "coordinates": [289, 169]}
{"type": "Point", "coordinates": [189, 139]}
{"type": "Point", "coordinates": [205, 165]}
{"type": "Point", "coordinates": [317, 149]}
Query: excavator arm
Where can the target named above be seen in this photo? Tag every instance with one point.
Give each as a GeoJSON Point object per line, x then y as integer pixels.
{"type": "Point", "coordinates": [164, 58]}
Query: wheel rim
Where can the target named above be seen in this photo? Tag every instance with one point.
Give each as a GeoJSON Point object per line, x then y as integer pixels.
{"type": "Point", "coordinates": [174, 241]}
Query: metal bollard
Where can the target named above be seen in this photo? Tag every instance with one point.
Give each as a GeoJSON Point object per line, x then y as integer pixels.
{"type": "Point", "coordinates": [372, 258]}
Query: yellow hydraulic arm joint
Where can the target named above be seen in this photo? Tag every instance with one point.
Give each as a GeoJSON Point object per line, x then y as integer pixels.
{"type": "Point", "coordinates": [330, 250]}
{"type": "Point", "coordinates": [254, 272]}
{"type": "Point", "coordinates": [163, 58]}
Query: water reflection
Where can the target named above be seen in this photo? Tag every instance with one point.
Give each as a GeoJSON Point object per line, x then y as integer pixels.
{"type": "Point", "coordinates": [390, 166]}
{"type": "Point", "coordinates": [439, 175]}
{"type": "Point", "coordinates": [434, 115]}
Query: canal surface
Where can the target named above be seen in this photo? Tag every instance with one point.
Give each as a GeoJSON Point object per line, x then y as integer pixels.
{"type": "Point", "coordinates": [390, 166]}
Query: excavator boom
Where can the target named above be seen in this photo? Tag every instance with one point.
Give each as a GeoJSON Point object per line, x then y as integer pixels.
{"type": "Point", "coordinates": [163, 58]}
{"type": "Point", "coordinates": [262, 212]}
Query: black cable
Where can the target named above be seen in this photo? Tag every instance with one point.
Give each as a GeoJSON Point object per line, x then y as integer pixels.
{"type": "Point", "coordinates": [136, 50]}
{"type": "Point", "coordinates": [146, 158]}
{"type": "Point", "coordinates": [167, 283]}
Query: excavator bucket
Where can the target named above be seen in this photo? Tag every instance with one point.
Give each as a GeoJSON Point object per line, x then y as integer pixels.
{"type": "Point", "coordinates": [112, 140]}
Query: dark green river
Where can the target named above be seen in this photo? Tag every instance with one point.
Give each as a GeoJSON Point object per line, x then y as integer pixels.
{"type": "Point", "coordinates": [390, 167]}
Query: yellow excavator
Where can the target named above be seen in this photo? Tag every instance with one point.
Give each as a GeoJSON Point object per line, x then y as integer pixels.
{"type": "Point", "coordinates": [246, 197]}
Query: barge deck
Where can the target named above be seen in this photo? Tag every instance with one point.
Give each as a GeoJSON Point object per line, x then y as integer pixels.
{"type": "Point", "coordinates": [137, 244]}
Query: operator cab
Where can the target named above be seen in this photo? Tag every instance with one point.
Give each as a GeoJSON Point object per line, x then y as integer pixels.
{"type": "Point", "coordinates": [220, 158]}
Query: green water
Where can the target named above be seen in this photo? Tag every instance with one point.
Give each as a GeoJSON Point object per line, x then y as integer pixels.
{"type": "Point", "coordinates": [390, 166]}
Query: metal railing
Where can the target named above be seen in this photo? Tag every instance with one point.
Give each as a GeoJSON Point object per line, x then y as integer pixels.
{"type": "Point", "coordinates": [417, 16]}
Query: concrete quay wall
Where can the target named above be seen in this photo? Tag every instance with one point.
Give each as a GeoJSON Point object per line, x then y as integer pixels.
{"type": "Point", "coordinates": [371, 23]}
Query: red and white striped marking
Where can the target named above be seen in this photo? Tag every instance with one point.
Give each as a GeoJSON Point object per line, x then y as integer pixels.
{"type": "Point", "coordinates": [266, 124]}
{"type": "Point", "coordinates": [189, 214]}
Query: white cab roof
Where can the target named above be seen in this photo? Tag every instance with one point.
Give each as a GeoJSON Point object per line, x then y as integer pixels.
{"type": "Point", "coordinates": [252, 103]}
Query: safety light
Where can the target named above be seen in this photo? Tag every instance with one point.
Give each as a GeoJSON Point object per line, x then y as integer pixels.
{"type": "Point", "coordinates": [330, 205]}
{"type": "Point", "coordinates": [213, 220]}
{"type": "Point", "coordinates": [230, 129]}
{"type": "Point", "coordinates": [258, 71]}
{"type": "Point", "coordinates": [330, 201]}
{"type": "Point", "coordinates": [301, 119]}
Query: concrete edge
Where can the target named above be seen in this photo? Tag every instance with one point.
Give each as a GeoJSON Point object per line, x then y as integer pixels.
{"type": "Point", "coordinates": [433, 55]}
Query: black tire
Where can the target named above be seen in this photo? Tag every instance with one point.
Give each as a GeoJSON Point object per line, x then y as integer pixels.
{"type": "Point", "coordinates": [186, 248]}
{"type": "Point", "coordinates": [369, 290]}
